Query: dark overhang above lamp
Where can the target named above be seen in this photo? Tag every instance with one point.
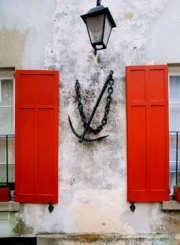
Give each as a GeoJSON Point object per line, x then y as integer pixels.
{"type": "Point", "coordinates": [99, 23]}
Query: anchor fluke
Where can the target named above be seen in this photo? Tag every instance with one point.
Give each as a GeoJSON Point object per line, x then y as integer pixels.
{"type": "Point", "coordinates": [81, 139]}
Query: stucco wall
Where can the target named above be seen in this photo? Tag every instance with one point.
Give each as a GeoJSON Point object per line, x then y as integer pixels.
{"type": "Point", "coordinates": [25, 30]}
{"type": "Point", "coordinates": [42, 34]}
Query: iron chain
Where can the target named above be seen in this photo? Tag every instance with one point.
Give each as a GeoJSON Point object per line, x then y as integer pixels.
{"type": "Point", "coordinates": [107, 106]}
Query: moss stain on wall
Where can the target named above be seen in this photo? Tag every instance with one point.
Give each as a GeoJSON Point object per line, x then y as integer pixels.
{"type": "Point", "coordinates": [18, 225]}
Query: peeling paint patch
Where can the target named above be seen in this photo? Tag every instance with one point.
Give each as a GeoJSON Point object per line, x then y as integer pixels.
{"type": "Point", "coordinates": [170, 222]}
{"type": "Point", "coordinates": [12, 44]}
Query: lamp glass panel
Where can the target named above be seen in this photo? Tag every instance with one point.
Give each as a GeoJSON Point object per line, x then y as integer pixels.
{"type": "Point", "coordinates": [95, 27]}
{"type": "Point", "coordinates": [107, 30]}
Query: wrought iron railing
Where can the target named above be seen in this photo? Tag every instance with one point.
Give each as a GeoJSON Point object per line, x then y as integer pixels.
{"type": "Point", "coordinates": [6, 151]}
{"type": "Point", "coordinates": [175, 154]}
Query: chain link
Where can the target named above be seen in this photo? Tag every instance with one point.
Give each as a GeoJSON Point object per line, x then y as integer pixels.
{"type": "Point", "coordinates": [107, 106]}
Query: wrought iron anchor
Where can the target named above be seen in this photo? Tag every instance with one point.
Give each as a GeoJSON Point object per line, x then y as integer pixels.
{"type": "Point", "coordinates": [81, 137]}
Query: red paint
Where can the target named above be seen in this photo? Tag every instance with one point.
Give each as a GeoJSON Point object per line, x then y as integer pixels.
{"type": "Point", "coordinates": [4, 194]}
{"type": "Point", "coordinates": [176, 194]}
{"type": "Point", "coordinates": [147, 133]}
{"type": "Point", "coordinates": [36, 136]}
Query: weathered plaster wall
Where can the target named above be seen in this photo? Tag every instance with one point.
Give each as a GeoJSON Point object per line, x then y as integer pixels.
{"type": "Point", "coordinates": [92, 177]}
{"type": "Point", "coordinates": [25, 30]}
{"type": "Point", "coordinates": [112, 239]}
{"type": "Point", "coordinates": [163, 44]}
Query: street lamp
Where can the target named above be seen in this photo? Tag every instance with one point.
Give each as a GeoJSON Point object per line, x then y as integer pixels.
{"type": "Point", "coordinates": [99, 23]}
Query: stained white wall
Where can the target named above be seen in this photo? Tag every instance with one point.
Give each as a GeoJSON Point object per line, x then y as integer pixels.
{"type": "Point", "coordinates": [163, 43]}
{"type": "Point", "coordinates": [92, 176]}
{"type": "Point", "coordinates": [25, 30]}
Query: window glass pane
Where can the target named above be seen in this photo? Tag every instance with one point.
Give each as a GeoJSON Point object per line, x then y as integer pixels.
{"type": "Point", "coordinates": [0, 93]}
{"type": "Point", "coordinates": [2, 160]}
{"type": "Point", "coordinates": [107, 30]}
{"type": "Point", "coordinates": [174, 105]}
{"type": "Point", "coordinates": [3, 173]}
{"type": "Point", "coordinates": [95, 25]}
{"type": "Point", "coordinates": [6, 106]}
{"type": "Point", "coordinates": [6, 120]}
{"type": "Point", "coordinates": [173, 150]}
{"type": "Point", "coordinates": [175, 117]}
{"type": "Point", "coordinates": [6, 98]}
{"type": "Point", "coordinates": [2, 150]}
{"type": "Point", "coordinates": [10, 151]}
{"type": "Point", "coordinates": [6, 126]}
{"type": "Point", "coordinates": [11, 173]}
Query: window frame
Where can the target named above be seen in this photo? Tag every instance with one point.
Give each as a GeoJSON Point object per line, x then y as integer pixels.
{"type": "Point", "coordinates": [173, 70]}
{"type": "Point", "coordinates": [8, 74]}
{"type": "Point", "coordinates": [52, 84]}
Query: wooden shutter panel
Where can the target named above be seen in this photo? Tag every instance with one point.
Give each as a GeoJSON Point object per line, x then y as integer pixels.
{"type": "Point", "coordinates": [36, 136]}
{"type": "Point", "coordinates": [147, 133]}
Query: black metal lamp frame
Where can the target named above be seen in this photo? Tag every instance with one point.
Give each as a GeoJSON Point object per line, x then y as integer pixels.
{"type": "Point", "coordinates": [98, 10]}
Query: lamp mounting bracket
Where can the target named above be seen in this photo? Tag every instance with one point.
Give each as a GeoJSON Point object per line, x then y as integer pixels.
{"type": "Point", "coordinates": [98, 2]}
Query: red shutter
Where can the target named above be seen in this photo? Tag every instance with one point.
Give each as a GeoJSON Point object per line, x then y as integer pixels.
{"type": "Point", "coordinates": [36, 136]}
{"type": "Point", "coordinates": [147, 133]}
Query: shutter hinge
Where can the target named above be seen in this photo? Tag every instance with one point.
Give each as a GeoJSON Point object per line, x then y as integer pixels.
{"type": "Point", "coordinates": [132, 206]}
{"type": "Point", "coordinates": [51, 207]}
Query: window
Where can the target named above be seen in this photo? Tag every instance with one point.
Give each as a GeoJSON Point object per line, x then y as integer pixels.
{"type": "Point", "coordinates": [174, 109]}
{"type": "Point", "coordinates": [147, 133]}
{"type": "Point", "coordinates": [7, 127]}
{"type": "Point", "coordinates": [36, 134]}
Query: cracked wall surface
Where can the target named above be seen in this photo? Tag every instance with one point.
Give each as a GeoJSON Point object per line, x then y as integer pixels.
{"type": "Point", "coordinates": [44, 34]}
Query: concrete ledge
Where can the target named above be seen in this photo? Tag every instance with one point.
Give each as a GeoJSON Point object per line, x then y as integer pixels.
{"type": "Point", "coordinates": [171, 205]}
{"type": "Point", "coordinates": [9, 206]}
{"type": "Point", "coordinates": [114, 239]}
